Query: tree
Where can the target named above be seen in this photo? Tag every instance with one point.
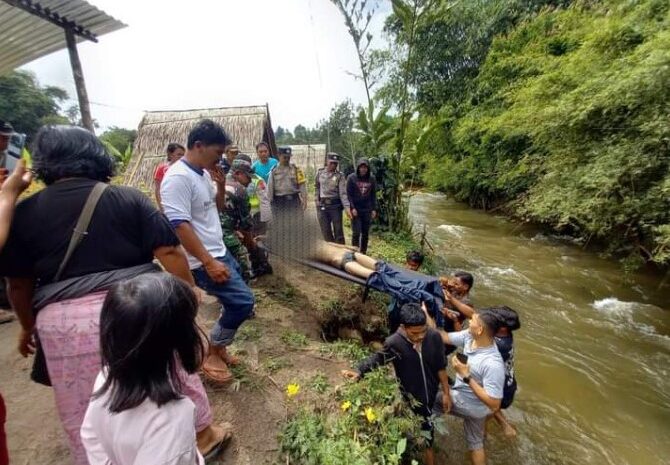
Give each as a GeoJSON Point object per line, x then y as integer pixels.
{"type": "Point", "coordinates": [28, 105]}
{"type": "Point", "coordinates": [119, 138]}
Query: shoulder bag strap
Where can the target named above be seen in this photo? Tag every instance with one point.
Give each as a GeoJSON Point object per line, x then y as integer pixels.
{"type": "Point", "coordinates": [80, 229]}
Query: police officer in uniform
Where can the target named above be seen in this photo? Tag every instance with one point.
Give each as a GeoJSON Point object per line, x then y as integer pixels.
{"type": "Point", "coordinates": [287, 190]}
{"type": "Point", "coordinates": [331, 199]}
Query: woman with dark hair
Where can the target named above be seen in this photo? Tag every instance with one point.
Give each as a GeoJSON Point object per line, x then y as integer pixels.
{"type": "Point", "coordinates": [57, 285]}
{"type": "Point", "coordinates": [139, 413]}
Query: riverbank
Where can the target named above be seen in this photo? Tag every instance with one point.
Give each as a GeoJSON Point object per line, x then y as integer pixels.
{"type": "Point", "coordinates": [283, 345]}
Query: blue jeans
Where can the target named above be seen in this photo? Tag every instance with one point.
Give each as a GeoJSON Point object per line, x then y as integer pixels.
{"type": "Point", "coordinates": [235, 297]}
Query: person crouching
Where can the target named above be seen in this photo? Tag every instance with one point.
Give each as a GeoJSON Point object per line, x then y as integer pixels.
{"type": "Point", "coordinates": [417, 354]}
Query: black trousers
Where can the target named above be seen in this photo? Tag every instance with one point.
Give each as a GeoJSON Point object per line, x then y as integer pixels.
{"type": "Point", "coordinates": [360, 226]}
{"type": "Point", "coordinates": [330, 221]}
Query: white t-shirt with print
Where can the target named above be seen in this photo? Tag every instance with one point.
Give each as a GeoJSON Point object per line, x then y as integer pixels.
{"type": "Point", "coordinates": [188, 194]}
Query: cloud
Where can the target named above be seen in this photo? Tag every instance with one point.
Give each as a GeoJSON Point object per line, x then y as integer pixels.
{"type": "Point", "coordinates": [292, 54]}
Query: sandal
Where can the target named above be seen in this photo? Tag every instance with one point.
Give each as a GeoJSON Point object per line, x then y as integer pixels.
{"type": "Point", "coordinates": [217, 374]}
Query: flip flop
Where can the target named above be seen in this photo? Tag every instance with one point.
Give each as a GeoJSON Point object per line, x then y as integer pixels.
{"type": "Point", "coordinates": [217, 375]}
{"type": "Point", "coordinates": [219, 447]}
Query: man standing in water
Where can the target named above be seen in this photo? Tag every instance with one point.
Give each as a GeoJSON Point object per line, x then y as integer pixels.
{"type": "Point", "coordinates": [331, 199]}
{"type": "Point", "coordinates": [191, 203]}
{"type": "Point", "coordinates": [478, 388]}
{"type": "Point", "coordinates": [417, 354]}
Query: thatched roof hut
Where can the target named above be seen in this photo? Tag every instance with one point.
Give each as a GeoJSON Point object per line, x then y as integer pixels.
{"type": "Point", "coordinates": [246, 126]}
{"type": "Point", "coordinates": [309, 157]}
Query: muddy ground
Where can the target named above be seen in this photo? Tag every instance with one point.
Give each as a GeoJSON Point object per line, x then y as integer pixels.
{"type": "Point", "coordinates": [281, 345]}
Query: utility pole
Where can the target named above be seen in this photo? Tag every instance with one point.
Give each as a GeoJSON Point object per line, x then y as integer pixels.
{"type": "Point", "coordinates": [80, 84]}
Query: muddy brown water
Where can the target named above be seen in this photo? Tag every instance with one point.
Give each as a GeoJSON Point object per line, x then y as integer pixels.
{"type": "Point", "coordinates": [593, 354]}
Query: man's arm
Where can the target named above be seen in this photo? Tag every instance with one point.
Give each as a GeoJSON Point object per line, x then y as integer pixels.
{"type": "Point", "coordinates": [456, 338]}
{"type": "Point", "coordinates": [489, 380]}
{"type": "Point", "coordinates": [375, 360]}
{"type": "Point", "coordinates": [317, 194]}
{"type": "Point", "coordinates": [189, 239]}
{"type": "Point", "coordinates": [12, 187]}
{"type": "Point", "coordinates": [343, 195]}
{"type": "Point", "coordinates": [157, 193]}
{"type": "Point", "coordinates": [219, 178]}
{"type": "Point", "coordinates": [174, 261]}
{"type": "Point", "coordinates": [465, 309]}
{"type": "Point", "coordinates": [446, 395]}
{"type": "Point", "coordinates": [480, 392]}
{"type": "Point", "coordinates": [20, 294]}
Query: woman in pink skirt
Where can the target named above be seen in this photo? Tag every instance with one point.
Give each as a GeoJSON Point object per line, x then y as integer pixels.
{"type": "Point", "coordinates": [125, 234]}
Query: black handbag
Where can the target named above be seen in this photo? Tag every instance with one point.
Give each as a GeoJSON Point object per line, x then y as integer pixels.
{"type": "Point", "coordinates": [39, 372]}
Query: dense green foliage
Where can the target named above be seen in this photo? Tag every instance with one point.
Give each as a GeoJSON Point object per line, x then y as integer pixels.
{"type": "Point", "coordinates": [121, 139]}
{"type": "Point", "coordinates": [27, 105]}
{"type": "Point", "coordinates": [566, 124]}
{"type": "Point", "coordinates": [367, 423]}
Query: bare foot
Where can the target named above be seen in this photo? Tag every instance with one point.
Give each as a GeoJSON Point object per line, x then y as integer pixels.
{"type": "Point", "coordinates": [6, 316]}
{"type": "Point", "coordinates": [213, 440]}
{"type": "Point", "coordinates": [509, 431]}
{"type": "Point", "coordinates": [227, 357]}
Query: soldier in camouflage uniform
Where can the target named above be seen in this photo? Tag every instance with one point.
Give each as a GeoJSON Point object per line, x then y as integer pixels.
{"type": "Point", "coordinates": [236, 220]}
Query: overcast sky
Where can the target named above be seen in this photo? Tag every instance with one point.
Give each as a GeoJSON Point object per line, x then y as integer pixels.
{"type": "Point", "coordinates": [174, 54]}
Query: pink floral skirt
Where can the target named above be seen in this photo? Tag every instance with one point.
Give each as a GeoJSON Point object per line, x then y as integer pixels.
{"type": "Point", "coordinates": [69, 332]}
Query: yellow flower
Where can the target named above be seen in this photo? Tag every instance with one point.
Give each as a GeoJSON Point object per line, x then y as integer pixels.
{"type": "Point", "coordinates": [346, 405]}
{"type": "Point", "coordinates": [370, 415]}
{"type": "Point", "coordinates": [292, 390]}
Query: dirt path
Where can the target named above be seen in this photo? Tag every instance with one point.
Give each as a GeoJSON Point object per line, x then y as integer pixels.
{"type": "Point", "coordinates": [281, 345]}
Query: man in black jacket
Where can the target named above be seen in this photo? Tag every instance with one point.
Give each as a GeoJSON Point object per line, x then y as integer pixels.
{"type": "Point", "coordinates": [362, 193]}
{"type": "Point", "coordinates": [417, 354]}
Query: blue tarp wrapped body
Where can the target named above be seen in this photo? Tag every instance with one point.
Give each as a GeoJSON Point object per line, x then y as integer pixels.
{"type": "Point", "coordinates": [406, 286]}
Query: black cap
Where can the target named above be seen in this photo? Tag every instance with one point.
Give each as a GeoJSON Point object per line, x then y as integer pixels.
{"type": "Point", "coordinates": [284, 151]}
{"type": "Point", "coordinates": [333, 157]}
{"type": "Point", "coordinates": [6, 129]}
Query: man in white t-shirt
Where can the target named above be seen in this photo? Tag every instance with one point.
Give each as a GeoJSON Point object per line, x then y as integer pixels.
{"type": "Point", "coordinates": [192, 193]}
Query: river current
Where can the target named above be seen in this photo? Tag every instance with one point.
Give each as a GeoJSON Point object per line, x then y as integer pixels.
{"type": "Point", "coordinates": [593, 353]}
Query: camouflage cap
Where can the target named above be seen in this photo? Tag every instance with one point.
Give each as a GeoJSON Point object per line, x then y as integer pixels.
{"type": "Point", "coordinates": [242, 163]}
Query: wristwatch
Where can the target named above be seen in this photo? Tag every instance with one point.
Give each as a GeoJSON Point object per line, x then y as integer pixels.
{"type": "Point", "coordinates": [466, 379]}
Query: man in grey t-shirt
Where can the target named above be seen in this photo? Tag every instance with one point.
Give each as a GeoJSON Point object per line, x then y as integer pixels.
{"type": "Point", "coordinates": [478, 389]}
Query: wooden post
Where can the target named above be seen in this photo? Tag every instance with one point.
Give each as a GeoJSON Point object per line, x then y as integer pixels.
{"type": "Point", "coordinates": [78, 73]}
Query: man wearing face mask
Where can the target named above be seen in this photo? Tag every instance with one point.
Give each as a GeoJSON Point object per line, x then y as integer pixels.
{"type": "Point", "coordinates": [417, 354]}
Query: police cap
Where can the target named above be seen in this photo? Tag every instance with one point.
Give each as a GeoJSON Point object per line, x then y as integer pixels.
{"type": "Point", "coordinates": [333, 157]}
{"type": "Point", "coordinates": [284, 151]}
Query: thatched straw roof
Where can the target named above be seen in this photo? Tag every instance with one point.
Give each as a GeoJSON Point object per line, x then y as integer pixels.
{"type": "Point", "coordinates": [246, 126]}
{"type": "Point", "coordinates": [309, 157]}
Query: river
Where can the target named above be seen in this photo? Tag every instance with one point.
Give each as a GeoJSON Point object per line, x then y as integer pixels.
{"type": "Point", "coordinates": [593, 353]}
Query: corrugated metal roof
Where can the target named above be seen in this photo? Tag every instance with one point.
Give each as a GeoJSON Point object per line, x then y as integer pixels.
{"type": "Point", "coordinates": [26, 37]}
